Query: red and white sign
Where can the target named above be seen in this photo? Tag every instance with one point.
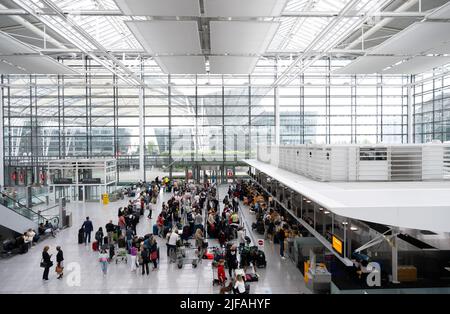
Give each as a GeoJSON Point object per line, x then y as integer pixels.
{"type": "Point", "coordinates": [261, 244]}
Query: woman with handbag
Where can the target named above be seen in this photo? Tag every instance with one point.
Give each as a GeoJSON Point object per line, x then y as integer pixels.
{"type": "Point", "coordinates": [154, 255]}
{"type": "Point", "coordinates": [59, 262]}
{"type": "Point", "coordinates": [46, 262]}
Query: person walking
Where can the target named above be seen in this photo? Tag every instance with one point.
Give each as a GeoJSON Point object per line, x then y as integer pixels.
{"type": "Point", "coordinates": [59, 262]}
{"type": "Point", "coordinates": [46, 262]}
{"type": "Point", "coordinates": [88, 228]}
{"type": "Point", "coordinates": [103, 260]}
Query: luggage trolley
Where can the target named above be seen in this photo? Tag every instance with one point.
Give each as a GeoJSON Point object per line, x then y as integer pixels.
{"type": "Point", "coordinates": [121, 256]}
{"type": "Point", "coordinates": [187, 255]}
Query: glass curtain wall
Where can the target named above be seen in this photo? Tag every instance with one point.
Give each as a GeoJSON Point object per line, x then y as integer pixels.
{"type": "Point", "coordinates": [431, 94]}
{"type": "Point", "coordinates": [206, 119]}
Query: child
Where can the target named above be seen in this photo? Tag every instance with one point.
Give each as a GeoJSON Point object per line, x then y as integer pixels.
{"type": "Point", "coordinates": [221, 272]}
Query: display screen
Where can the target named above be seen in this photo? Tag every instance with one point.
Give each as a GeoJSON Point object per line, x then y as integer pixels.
{"type": "Point", "coordinates": [337, 244]}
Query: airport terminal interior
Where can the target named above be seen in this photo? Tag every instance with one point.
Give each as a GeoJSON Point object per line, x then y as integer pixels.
{"type": "Point", "coordinates": [225, 146]}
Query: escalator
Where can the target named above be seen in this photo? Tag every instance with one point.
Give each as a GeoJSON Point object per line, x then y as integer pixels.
{"type": "Point", "coordinates": [19, 218]}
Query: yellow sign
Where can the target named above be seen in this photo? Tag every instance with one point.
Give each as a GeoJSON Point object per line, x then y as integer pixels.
{"type": "Point", "coordinates": [337, 244]}
{"type": "Point", "coordinates": [105, 198]}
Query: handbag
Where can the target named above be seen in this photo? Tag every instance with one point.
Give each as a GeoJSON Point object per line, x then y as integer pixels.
{"type": "Point", "coordinates": [45, 265]}
{"type": "Point", "coordinates": [154, 255]}
{"type": "Point", "coordinates": [59, 269]}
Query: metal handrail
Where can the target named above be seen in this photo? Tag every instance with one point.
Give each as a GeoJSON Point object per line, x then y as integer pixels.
{"type": "Point", "coordinates": [19, 205]}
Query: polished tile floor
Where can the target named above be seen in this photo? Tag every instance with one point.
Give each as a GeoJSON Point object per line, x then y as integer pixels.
{"type": "Point", "coordinates": [22, 274]}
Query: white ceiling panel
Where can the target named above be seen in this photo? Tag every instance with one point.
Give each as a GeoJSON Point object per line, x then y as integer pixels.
{"type": "Point", "coordinates": [160, 7]}
{"type": "Point", "coordinates": [240, 8]}
{"type": "Point", "coordinates": [443, 48]}
{"type": "Point", "coordinates": [39, 64]}
{"type": "Point", "coordinates": [241, 37]}
{"type": "Point", "coordinates": [9, 45]}
{"type": "Point", "coordinates": [441, 13]}
{"type": "Point", "coordinates": [368, 65]}
{"type": "Point", "coordinates": [415, 39]}
{"type": "Point", "coordinates": [159, 37]}
{"type": "Point", "coordinates": [6, 68]}
{"type": "Point", "coordinates": [418, 65]}
{"type": "Point", "coordinates": [232, 65]}
{"type": "Point", "coordinates": [182, 64]}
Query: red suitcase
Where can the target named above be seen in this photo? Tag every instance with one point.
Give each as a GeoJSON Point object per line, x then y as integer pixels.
{"type": "Point", "coordinates": [95, 246]}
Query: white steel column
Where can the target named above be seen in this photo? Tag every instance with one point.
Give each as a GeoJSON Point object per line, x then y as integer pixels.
{"type": "Point", "coordinates": [141, 135]}
{"type": "Point", "coordinates": [410, 100]}
{"type": "Point", "coordinates": [394, 259]}
{"type": "Point", "coordinates": [2, 155]}
{"type": "Point", "coordinates": [277, 116]}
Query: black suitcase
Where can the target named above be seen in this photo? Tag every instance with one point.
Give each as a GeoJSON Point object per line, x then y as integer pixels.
{"type": "Point", "coordinates": [261, 259]}
{"type": "Point", "coordinates": [81, 236]}
{"type": "Point", "coordinates": [105, 240]}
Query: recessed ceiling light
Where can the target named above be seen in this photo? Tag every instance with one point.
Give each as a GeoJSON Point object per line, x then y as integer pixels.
{"type": "Point", "coordinates": [326, 212]}
{"type": "Point", "coordinates": [353, 228]}
{"type": "Point", "coordinates": [345, 223]}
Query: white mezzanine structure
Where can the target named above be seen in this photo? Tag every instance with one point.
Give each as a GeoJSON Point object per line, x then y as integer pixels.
{"type": "Point", "coordinates": [82, 179]}
{"type": "Point", "coordinates": [380, 162]}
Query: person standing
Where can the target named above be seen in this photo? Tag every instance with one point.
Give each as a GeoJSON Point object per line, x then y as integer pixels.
{"type": "Point", "coordinates": [47, 262]}
{"type": "Point", "coordinates": [129, 237]}
{"type": "Point", "coordinates": [99, 237]}
{"type": "Point", "coordinates": [281, 237]}
{"type": "Point", "coordinates": [103, 259]}
{"type": "Point", "coordinates": [150, 210]}
{"type": "Point", "coordinates": [88, 228]}
{"type": "Point", "coordinates": [59, 262]}
{"type": "Point", "coordinates": [133, 255]}
{"type": "Point", "coordinates": [110, 231]}
{"type": "Point", "coordinates": [231, 258]}
{"type": "Point", "coordinates": [145, 255]}
{"type": "Point", "coordinates": [154, 256]}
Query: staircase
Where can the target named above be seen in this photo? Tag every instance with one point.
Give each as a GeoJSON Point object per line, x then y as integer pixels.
{"type": "Point", "coordinates": [19, 218]}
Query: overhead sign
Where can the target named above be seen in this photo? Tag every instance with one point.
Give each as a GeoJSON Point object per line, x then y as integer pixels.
{"type": "Point", "coordinates": [337, 244]}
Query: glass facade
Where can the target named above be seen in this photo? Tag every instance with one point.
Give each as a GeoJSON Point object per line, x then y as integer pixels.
{"type": "Point", "coordinates": [208, 119]}
{"type": "Point", "coordinates": [431, 95]}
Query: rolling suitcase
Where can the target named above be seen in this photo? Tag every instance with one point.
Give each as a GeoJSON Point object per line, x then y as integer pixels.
{"type": "Point", "coordinates": [81, 236]}
{"type": "Point", "coordinates": [155, 229]}
{"type": "Point", "coordinates": [95, 246]}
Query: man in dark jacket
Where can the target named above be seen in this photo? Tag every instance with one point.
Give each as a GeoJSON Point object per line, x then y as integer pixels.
{"type": "Point", "coordinates": [110, 228]}
{"type": "Point", "coordinates": [88, 228]}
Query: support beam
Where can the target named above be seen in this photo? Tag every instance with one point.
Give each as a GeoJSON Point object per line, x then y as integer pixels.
{"type": "Point", "coordinates": [286, 14]}
{"type": "Point", "coordinates": [410, 110]}
{"type": "Point", "coordinates": [2, 152]}
{"type": "Point", "coordinates": [141, 135]}
{"type": "Point", "coordinates": [394, 260]}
